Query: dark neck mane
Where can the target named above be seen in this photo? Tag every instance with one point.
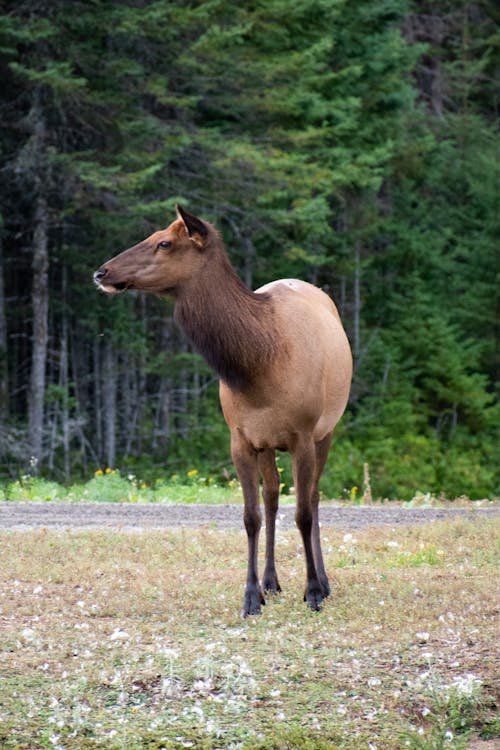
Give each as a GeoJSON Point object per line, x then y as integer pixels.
{"type": "Point", "coordinates": [230, 326]}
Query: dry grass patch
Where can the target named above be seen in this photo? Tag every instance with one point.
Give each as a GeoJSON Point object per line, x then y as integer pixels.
{"type": "Point", "coordinates": [122, 640]}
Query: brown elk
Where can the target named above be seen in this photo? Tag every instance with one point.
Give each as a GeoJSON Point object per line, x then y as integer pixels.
{"type": "Point", "coordinates": [284, 365]}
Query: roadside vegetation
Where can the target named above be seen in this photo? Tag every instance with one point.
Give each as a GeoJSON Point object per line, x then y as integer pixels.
{"type": "Point", "coordinates": [113, 486]}
{"type": "Point", "coordinates": [125, 641]}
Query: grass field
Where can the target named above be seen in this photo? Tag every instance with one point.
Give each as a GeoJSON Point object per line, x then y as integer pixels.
{"type": "Point", "coordinates": [133, 640]}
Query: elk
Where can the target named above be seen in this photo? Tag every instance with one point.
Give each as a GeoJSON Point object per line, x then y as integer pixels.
{"type": "Point", "coordinates": [284, 364]}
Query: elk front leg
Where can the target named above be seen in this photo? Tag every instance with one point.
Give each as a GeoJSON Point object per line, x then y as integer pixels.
{"type": "Point", "coordinates": [271, 489]}
{"type": "Point", "coordinates": [245, 461]}
{"type": "Point", "coordinates": [322, 448]}
{"type": "Point", "coordinates": [304, 470]}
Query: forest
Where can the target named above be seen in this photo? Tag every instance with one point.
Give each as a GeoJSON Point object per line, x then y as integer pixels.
{"type": "Point", "coordinates": [350, 143]}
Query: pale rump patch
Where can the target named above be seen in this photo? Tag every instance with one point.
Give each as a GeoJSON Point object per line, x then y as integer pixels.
{"type": "Point", "coordinates": [293, 284]}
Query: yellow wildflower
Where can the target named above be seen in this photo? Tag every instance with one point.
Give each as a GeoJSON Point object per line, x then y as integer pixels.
{"type": "Point", "coordinates": [98, 473]}
{"type": "Point", "coordinates": [192, 473]}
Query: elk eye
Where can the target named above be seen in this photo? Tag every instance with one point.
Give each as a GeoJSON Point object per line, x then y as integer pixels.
{"type": "Point", "coordinates": [164, 244]}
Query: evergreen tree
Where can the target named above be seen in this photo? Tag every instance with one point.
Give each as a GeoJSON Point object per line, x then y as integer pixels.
{"type": "Point", "coordinates": [350, 143]}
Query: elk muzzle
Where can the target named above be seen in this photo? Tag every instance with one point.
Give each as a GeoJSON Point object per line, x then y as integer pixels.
{"type": "Point", "coordinates": [101, 279]}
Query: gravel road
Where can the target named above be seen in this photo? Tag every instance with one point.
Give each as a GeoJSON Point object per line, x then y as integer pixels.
{"type": "Point", "coordinates": [128, 516]}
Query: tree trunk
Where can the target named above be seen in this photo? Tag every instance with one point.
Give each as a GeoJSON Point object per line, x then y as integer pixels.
{"type": "Point", "coordinates": [109, 403]}
{"type": "Point", "coordinates": [97, 399]}
{"type": "Point", "coordinates": [4, 371]}
{"type": "Point", "coordinates": [128, 398]}
{"type": "Point", "coordinates": [79, 365]}
{"type": "Point", "coordinates": [163, 414]}
{"type": "Point", "coordinates": [357, 302]}
{"type": "Point", "coordinates": [40, 307]}
{"type": "Point", "coordinates": [64, 374]}
{"type": "Point", "coordinates": [249, 261]}
{"type": "Point", "coordinates": [343, 296]}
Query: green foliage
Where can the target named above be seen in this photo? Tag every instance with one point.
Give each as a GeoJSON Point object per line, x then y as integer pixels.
{"type": "Point", "coordinates": [113, 486]}
{"type": "Point", "coordinates": [35, 489]}
{"type": "Point", "coordinates": [343, 142]}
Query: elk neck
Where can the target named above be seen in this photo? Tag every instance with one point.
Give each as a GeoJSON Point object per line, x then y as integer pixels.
{"type": "Point", "coordinates": [230, 326]}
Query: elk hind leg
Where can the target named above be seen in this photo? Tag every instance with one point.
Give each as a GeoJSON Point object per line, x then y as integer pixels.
{"type": "Point", "coordinates": [322, 448]}
{"type": "Point", "coordinates": [304, 470]}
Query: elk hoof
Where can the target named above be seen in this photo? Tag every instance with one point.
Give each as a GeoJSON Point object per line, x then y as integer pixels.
{"type": "Point", "coordinates": [314, 596]}
{"type": "Point", "coordinates": [325, 587]}
{"type": "Point", "coordinates": [270, 584]}
{"type": "Point", "coordinates": [253, 602]}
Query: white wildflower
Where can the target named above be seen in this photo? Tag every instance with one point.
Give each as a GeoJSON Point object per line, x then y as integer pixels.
{"type": "Point", "coordinates": [349, 539]}
{"type": "Point", "coordinates": [466, 685]}
{"type": "Point", "coordinates": [203, 686]}
{"type": "Point", "coordinates": [169, 687]}
{"type": "Point", "coordinates": [423, 636]}
{"type": "Point", "coordinates": [119, 635]}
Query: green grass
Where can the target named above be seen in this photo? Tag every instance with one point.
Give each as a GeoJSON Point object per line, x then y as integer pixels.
{"type": "Point", "coordinates": [113, 487]}
{"type": "Point", "coordinates": [124, 640]}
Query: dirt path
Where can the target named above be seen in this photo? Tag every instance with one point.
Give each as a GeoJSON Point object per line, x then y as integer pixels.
{"type": "Point", "coordinates": [128, 516]}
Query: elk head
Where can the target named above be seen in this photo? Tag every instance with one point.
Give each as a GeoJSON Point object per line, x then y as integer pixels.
{"type": "Point", "coordinates": [163, 263]}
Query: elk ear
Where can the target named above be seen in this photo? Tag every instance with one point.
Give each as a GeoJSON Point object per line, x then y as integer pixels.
{"type": "Point", "coordinates": [196, 228]}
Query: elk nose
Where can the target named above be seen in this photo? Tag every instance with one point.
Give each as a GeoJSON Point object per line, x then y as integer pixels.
{"type": "Point", "coordinates": [100, 274]}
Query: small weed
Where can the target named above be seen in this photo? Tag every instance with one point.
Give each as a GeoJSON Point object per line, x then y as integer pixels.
{"type": "Point", "coordinates": [437, 739]}
{"type": "Point", "coordinates": [452, 711]}
{"type": "Point", "coordinates": [291, 739]}
{"type": "Point", "coordinates": [490, 730]}
{"type": "Point", "coordinates": [427, 554]}
{"type": "Point", "coordinates": [39, 490]}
